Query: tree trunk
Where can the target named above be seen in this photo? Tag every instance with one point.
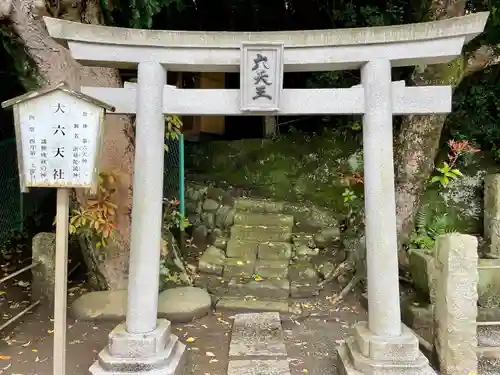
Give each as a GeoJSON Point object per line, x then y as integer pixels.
{"type": "Point", "coordinates": [270, 126]}
{"type": "Point", "coordinates": [55, 64]}
{"type": "Point", "coordinates": [417, 145]}
{"type": "Point", "coordinates": [417, 142]}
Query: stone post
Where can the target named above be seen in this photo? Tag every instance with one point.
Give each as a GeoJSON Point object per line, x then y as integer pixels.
{"type": "Point", "coordinates": [145, 344]}
{"type": "Point", "coordinates": [455, 303]}
{"type": "Point", "coordinates": [492, 213]}
{"type": "Point", "coordinates": [383, 345]}
{"type": "Point", "coordinates": [43, 283]}
{"type": "Point", "coordinates": [384, 316]}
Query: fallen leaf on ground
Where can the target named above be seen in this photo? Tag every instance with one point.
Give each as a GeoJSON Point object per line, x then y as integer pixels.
{"type": "Point", "coordinates": [210, 354]}
{"type": "Point", "coordinates": [50, 331]}
{"type": "Point", "coordinates": [4, 357]}
{"type": "Point", "coordinates": [190, 339]}
{"type": "Point", "coordinates": [6, 367]}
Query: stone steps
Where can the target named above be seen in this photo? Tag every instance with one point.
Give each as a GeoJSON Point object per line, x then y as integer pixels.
{"type": "Point", "coordinates": [263, 219]}
{"type": "Point", "coordinates": [488, 336]}
{"type": "Point", "coordinates": [261, 233]}
{"type": "Point", "coordinates": [256, 270]}
{"type": "Point", "coordinates": [488, 339]}
{"type": "Point", "coordinates": [253, 304]}
{"type": "Point", "coordinates": [271, 288]}
{"type": "Point", "coordinates": [258, 345]}
{"type": "Point", "coordinates": [259, 206]}
{"type": "Point", "coordinates": [261, 250]}
{"type": "Point", "coordinates": [488, 366]}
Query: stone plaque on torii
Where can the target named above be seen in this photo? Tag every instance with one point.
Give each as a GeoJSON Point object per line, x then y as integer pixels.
{"type": "Point", "coordinates": [382, 343]}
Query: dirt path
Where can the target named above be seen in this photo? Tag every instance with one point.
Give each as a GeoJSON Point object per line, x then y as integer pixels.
{"type": "Point", "coordinates": [311, 338]}
{"type": "Point", "coordinates": [27, 349]}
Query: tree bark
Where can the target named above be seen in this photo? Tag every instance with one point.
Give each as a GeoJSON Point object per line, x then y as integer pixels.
{"type": "Point", "coordinates": [270, 126]}
{"type": "Point", "coordinates": [417, 142]}
{"type": "Point", "coordinates": [55, 64]}
{"type": "Point", "coordinates": [417, 145]}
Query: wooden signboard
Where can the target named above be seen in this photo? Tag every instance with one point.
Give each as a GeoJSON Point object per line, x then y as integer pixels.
{"type": "Point", "coordinates": [59, 138]}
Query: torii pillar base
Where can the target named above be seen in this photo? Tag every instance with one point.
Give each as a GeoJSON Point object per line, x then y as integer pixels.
{"type": "Point", "coordinates": [155, 353]}
{"type": "Point", "coordinates": [368, 354]}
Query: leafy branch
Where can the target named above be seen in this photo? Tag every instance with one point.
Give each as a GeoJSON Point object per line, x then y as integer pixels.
{"type": "Point", "coordinates": [448, 170]}
{"type": "Point", "coordinates": [97, 216]}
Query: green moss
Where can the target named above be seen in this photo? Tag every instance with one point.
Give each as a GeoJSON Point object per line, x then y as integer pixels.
{"type": "Point", "coordinates": [295, 168]}
{"type": "Point", "coordinates": [300, 168]}
{"type": "Point", "coordinates": [450, 73]}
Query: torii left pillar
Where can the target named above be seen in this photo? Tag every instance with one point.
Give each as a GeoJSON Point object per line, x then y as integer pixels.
{"type": "Point", "coordinates": [145, 343]}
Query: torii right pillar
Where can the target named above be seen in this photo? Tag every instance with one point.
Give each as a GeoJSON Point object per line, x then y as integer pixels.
{"type": "Point", "coordinates": [383, 345]}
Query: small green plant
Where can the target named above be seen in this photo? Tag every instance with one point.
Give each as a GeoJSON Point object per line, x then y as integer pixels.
{"type": "Point", "coordinates": [172, 218]}
{"type": "Point", "coordinates": [355, 126]}
{"type": "Point", "coordinates": [173, 128]}
{"type": "Point", "coordinates": [348, 195]}
{"type": "Point", "coordinates": [448, 170]}
{"type": "Point", "coordinates": [446, 173]}
{"type": "Point", "coordinates": [428, 228]}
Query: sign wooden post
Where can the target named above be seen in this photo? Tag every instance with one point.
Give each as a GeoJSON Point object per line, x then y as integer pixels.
{"type": "Point", "coordinates": [59, 138]}
{"type": "Point", "coordinates": [61, 281]}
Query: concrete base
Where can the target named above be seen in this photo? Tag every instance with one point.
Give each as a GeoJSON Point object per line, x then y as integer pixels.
{"type": "Point", "coordinates": [155, 353]}
{"type": "Point", "coordinates": [367, 354]}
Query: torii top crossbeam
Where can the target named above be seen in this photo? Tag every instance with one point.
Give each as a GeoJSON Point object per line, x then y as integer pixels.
{"type": "Point", "coordinates": [316, 50]}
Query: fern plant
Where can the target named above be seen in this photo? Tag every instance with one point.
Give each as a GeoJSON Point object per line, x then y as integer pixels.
{"type": "Point", "coordinates": [428, 227]}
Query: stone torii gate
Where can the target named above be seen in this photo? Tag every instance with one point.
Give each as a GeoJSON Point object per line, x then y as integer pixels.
{"type": "Point", "coordinates": [383, 344]}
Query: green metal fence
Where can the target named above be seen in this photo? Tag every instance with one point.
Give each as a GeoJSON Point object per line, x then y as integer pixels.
{"type": "Point", "coordinates": [173, 183]}
{"type": "Point", "coordinates": [15, 207]}
{"type": "Point", "coordinates": [11, 203]}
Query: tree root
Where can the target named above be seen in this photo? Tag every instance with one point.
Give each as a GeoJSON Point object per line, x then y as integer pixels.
{"type": "Point", "coordinates": [173, 256]}
{"type": "Point", "coordinates": [341, 268]}
{"type": "Point", "coordinates": [347, 289]}
{"type": "Point", "coordinates": [178, 261]}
